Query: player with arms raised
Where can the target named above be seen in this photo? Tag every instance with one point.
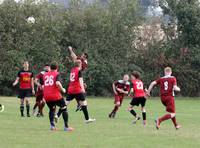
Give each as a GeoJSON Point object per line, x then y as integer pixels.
{"type": "Point", "coordinates": [26, 82]}
{"type": "Point", "coordinates": [53, 96]}
{"type": "Point", "coordinates": [167, 86]}
{"type": "Point", "coordinates": [139, 97]}
{"type": "Point", "coordinates": [76, 89]}
{"type": "Point", "coordinates": [120, 89]}
{"type": "Point", "coordinates": [84, 64]}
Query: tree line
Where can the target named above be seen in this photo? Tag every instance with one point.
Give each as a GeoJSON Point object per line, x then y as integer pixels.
{"type": "Point", "coordinates": [108, 33]}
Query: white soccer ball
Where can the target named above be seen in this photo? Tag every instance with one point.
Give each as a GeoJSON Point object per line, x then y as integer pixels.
{"type": "Point", "coordinates": [31, 20]}
{"type": "Point", "coordinates": [1, 108]}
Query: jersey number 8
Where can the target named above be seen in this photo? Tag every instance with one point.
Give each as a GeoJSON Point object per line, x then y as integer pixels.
{"type": "Point", "coordinates": [48, 80]}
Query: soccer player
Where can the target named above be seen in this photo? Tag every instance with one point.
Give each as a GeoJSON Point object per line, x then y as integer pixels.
{"type": "Point", "coordinates": [1, 108]}
{"type": "Point", "coordinates": [167, 86]}
{"type": "Point", "coordinates": [139, 97]}
{"type": "Point", "coordinates": [40, 102]}
{"type": "Point", "coordinates": [120, 89]}
{"type": "Point", "coordinates": [53, 96]}
{"type": "Point", "coordinates": [26, 82]}
{"type": "Point", "coordinates": [76, 90]}
{"type": "Point", "coordinates": [84, 65]}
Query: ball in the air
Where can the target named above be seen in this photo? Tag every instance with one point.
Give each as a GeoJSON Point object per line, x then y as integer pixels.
{"type": "Point", "coordinates": [31, 20]}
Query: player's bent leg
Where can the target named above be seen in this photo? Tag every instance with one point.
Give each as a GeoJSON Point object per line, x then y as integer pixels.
{"type": "Point", "coordinates": [144, 115]}
{"type": "Point", "coordinates": [51, 107]}
{"type": "Point", "coordinates": [132, 111]}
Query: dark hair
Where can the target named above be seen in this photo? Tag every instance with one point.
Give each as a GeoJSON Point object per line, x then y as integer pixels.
{"type": "Point", "coordinates": [86, 55]}
{"type": "Point", "coordinates": [54, 66]}
{"type": "Point", "coordinates": [136, 74]}
{"type": "Point", "coordinates": [46, 65]}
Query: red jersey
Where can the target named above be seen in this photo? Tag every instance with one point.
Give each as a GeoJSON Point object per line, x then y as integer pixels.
{"type": "Point", "coordinates": [25, 79]}
{"type": "Point", "coordinates": [51, 91]}
{"type": "Point", "coordinates": [166, 84]}
{"type": "Point", "coordinates": [121, 84]}
{"type": "Point", "coordinates": [74, 84]}
{"type": "Point", "coordinates": [138, 88]}
{"type": "Point", "coordinates": [40, 78]}
{"type": "Point", "coordinates": [84, 62]}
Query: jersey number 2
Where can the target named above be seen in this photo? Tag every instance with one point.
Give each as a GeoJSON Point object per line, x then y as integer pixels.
{"type": "Point", "coordinates": [72, 77]}
{"type": "Point", "coordinates": [48, 80]}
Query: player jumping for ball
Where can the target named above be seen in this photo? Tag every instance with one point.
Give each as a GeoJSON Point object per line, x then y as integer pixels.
{"type": "Point", "coordinates": [53, 96]}
{"type": "Point", "coordinates": [120, 89]}
{"type": "Point", "coordinates": [84, 64]}
{"type": "Point", "coordinates": [139, 97]}
{"type": "Point", "coordinates": [26, 82]}
{"type": "Point", "coordinates": [76, 91]}
{"type": "Point", "coordinates": [167, 86]}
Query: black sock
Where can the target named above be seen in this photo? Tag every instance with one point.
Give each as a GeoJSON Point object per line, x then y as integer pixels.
{"type": "Point", "coordinates": [144, 115]}
{"type": "Point", "coordinates": [22, 110]}
{"type": "Point", "coordinates": [59, 112]}
{"type": "Point", "coordinates": [133, 112]}
{"type": "Point", "coordinates": [65, 117]}
{"type": "Point", "coordinates": [27, 108]}
{"type": "Point", "coordinates": [85, 112]}
{"type": "Point", "coordinates": [51, 118]}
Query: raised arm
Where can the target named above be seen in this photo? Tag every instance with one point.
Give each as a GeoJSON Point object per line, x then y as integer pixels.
{"type": "Point", "coordinates": [72, 54]}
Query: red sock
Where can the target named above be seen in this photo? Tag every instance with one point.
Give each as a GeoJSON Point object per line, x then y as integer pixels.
{"type": "Point", "coordinates": [174, 121]}
{"type": "Point", "coordinates": [115, 109]}
{"type": "Point", "coordinates": [165, 117]}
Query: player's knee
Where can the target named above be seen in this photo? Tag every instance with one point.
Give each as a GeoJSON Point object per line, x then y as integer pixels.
{"type": "Point", "coordinates": [143, 110]}
{"type": "Point", "coordinates": [118, 104]}
{"type": "Point", "coordinates": [64, 108]}
{"type": "Point", "coordinates": [83, 103]}
{"type": "Point", "coordinates": [173, 115]}
{"type": "Point", "coordinates": [129, 109]}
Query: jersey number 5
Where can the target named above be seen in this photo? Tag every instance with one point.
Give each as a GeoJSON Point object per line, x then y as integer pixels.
{"type": "Point", "coordinates": [48, 80]}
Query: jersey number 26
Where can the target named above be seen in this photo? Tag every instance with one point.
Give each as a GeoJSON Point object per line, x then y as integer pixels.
{"type": "Point", "coordinates": [48, 80]}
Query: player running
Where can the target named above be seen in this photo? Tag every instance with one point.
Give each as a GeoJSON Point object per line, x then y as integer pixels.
{"type": "Point", "coordinates": [53, 96]}
{"type": "Point", "coordinates": [120, 89]}
{"type": "Point", "coordinates": [40, 102]}
{"type": "Point", "coordinates": [139, 97]}
{"type": "Point", "coordinates": [167, 86]}
{"type": "Point", "coordinates": [26, 82]}
{"type": "Point", "coordinates": [76, 91]}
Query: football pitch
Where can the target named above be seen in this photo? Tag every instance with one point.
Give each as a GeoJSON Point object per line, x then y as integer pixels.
{"type": "Point", "coordinates": [33, 132]}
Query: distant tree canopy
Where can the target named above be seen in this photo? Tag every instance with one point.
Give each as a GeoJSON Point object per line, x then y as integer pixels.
{"type": "Point", "coordinates": [105, 31]}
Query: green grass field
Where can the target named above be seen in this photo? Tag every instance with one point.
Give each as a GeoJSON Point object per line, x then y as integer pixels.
{"type": "Point", "coordinates": [17, 132]}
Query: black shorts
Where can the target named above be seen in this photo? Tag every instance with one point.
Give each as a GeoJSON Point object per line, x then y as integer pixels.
{"type": "Point", "coordinates": [52, 104]}
{"type": "Point", "coordinates": [25, 93]}
{"type": "Point", "coordinates": [138, 101]}
{"type": "Point", "coordinates": [78, 97]}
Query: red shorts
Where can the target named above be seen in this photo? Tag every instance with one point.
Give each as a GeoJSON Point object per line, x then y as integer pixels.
{"type": "Point", "coordinates": [119, 98]}
{"type": "Point", "coordinates": [39, 95]}
{"type": "Point", "coordinates": [168, 102]}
